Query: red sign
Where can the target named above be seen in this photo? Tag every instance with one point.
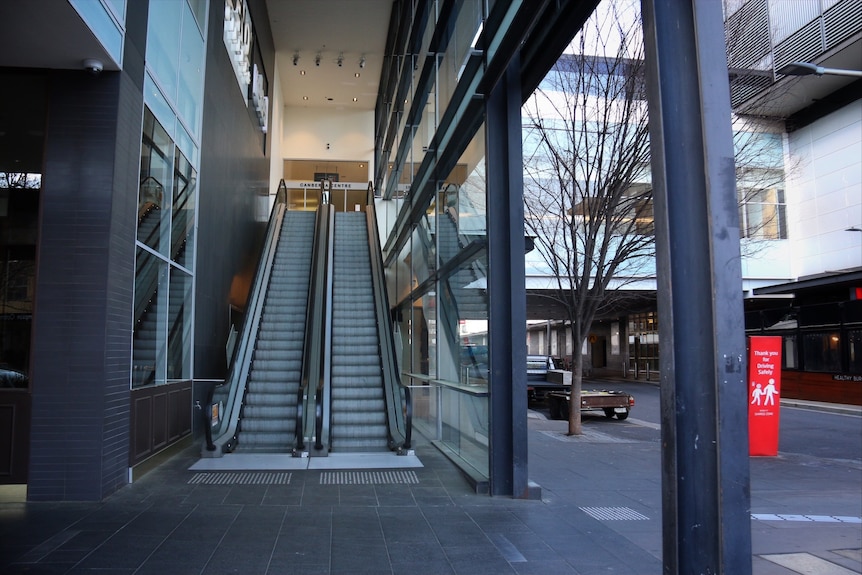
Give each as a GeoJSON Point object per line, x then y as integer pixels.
{"type": "Point", "coordinates": [764, 394]}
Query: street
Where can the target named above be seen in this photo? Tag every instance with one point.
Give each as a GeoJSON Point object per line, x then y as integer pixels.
{"type": "Point", "coordinates": [806, 503]}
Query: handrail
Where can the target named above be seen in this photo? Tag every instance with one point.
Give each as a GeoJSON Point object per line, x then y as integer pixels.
{"type": "Point", "coordinates": [322, 396]}
{"type": "Point", "coordinates": [474, 390]}
{"type": "Point", "coordinates": [242, 355]}
{"type": "Point", "coordinates": [395, 392]}
{"type": "Point", "coordinates": [311, 347]}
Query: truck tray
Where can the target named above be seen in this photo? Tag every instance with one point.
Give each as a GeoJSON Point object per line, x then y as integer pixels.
{"type": "Point", "coordinates": [613, 403]}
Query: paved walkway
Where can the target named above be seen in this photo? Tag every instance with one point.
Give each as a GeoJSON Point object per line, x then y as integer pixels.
{"type": "Point", "coordinates": [600, 513]}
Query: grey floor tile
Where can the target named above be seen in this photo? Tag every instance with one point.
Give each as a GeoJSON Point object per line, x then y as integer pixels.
{"type": "Point", "coordinates": [439, 567]}
{"type": "Point", "coordinates": [544, 567]}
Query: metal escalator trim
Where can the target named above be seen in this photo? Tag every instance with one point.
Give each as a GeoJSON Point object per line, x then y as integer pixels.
{"type": "Point", "coordinates": [240, 364]}
{"type": "Point", "coordinates": [396, 394]}
{"type": "Point", "coordinates": [318, 408]}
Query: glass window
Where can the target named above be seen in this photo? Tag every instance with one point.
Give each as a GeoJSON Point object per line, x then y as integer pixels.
{"type": "Point", "coordinates": [183, 217]}
{"type": "Point", "coordinates": [167, 197]}
{"type": "Point", "coordinates": [854, 349]}
{"type": "Point", "coordinates": [163, 44]}
{"type": "Point", "coordinates": [762, 213]}
{"type": "Point", "coordinates": [154, 200]}
{"type": "Point", "coordinates": [789, 357]}
{"type": "Point", "coordinates": [148, 339]}
{"type": "Point", "coordinates": [105, 27]}
{"type": "Point", "coordinates": [179, 325]}
{"type": "Point", "coordinates": [191, 73]}
{"type": "Point", "coordinates": [822, 351]}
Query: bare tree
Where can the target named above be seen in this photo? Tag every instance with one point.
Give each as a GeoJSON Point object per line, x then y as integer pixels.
{"type": "Point", "coordinates": [588, 197]}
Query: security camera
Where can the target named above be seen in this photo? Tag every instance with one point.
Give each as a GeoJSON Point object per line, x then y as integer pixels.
{"type": "Point", "coordinates": [92, 66]}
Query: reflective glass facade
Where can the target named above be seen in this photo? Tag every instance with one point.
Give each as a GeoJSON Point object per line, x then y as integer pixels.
{"type": "Point", "coordinates": [167, 194]}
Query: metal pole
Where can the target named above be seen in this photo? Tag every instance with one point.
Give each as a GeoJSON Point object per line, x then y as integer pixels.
{"type": "Point", "coordinates": [705, 473]}
{"type": "Point", "coordinates": [507, 327]}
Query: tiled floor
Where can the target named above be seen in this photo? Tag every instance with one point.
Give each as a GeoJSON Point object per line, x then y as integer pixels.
{"type": "Point", "coordinates": [600, 512]}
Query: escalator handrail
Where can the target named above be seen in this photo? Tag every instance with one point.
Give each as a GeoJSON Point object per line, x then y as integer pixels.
{"type": "Point", "coordinates": [243, 351]}
{"type": "Point", "coordinates": [395, 392]}
{"type": "Point", "coordinates": [313, 321]}
{"type": "Point", "coordinates": [323, 411]}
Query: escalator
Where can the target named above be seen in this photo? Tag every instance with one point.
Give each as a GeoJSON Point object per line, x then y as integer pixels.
{"type": "Point", "coordinates": [315, 364]}
{"type": "Point", "coordinates": [358, 408]}
{"type": "Point", "coordinates": [268, 417]}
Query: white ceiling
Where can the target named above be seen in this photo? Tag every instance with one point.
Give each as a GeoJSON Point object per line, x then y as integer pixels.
{"type": "Point", "coordinates": [352, 28]}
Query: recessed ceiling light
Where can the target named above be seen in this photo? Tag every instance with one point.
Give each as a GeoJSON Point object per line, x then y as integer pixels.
{"type": "Point", "coordinates": [354, 99]}
{"type": "Point", "coordinates": [356, 75]}
{"type": "Point", "coordinates": [302, 72]}
{"type": "Point", "coordinates": [305, 97]}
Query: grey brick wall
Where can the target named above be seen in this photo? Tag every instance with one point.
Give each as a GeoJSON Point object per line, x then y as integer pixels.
{"type": "Point", "coordinates": [81, 328]}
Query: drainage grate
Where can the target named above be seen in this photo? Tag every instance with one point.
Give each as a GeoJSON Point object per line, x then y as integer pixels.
{"type": "Point", "coordinates": [246, 478]}
{"type": "Point", "coordinates": [367, 477]}
{"type": "Point", "coordinates": [613, 513]}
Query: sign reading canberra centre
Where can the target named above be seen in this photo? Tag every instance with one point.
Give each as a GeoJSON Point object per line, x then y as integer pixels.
{"type": "Point", "coordinates": [764, 393]}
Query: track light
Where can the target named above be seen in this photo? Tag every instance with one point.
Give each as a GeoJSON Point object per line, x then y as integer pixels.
{"type": "Point", "coordinates": [362, 62]}
{"type": "Point", "coordinates": [341, 59]}
{"type": "Point", "coordinates": [295, 59]}
{"type": "Point", "coordinates": [317, 59]}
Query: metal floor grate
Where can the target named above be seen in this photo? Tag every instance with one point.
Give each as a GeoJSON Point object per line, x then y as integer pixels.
{"type": "Point", "coordinates": [367, 477]}
{"type": "Point", "coordinates": [242, 478]}
{"type": "Point", "coordinates": [613, 513]}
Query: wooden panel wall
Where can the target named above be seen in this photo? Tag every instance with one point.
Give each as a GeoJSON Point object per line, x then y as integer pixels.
{"type": "Point", "coordinates": [161, 416]}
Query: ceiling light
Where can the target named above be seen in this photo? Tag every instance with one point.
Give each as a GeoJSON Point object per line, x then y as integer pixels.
{"type": "Point", "coordinates": [355, 99]}
{"type": "Point", "coordinates": [305, 97]}
{"type": "Point", "coordinates": [296, 59]}
{"type": "Point", "coordinates": [362, 62]}
{"type": "Point", "coordinates": [317, 59]}
{"type": "Point", "coordinates": [356, 75]}
{"type": "Point", "coordinates": [340, 60]}
{"type": "Point", "coordinates": [302, 72]}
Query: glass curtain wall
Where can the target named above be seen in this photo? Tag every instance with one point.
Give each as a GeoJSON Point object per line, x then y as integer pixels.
{"type": "Point", "coordinates": [167, 193]}
{"type": "Point", "coordinates": [438, 272]}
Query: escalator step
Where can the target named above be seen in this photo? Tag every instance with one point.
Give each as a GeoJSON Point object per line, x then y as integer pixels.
{"type": "Point", "coordinates": [360, 418]}
{"type": "Point", "coordinates": [365, 397]}
{"type": "Point", "coordinates": [271, 400]}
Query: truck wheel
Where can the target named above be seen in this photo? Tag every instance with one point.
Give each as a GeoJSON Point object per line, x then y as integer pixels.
{"type": "Point", "coordinates": [622, 416]}
{"type": "Point", "coordinates": [609, 412]}
{"type": "Point", "coordinates": [564, 409]}
{"type": "Point", "coordinates": [554, 408]}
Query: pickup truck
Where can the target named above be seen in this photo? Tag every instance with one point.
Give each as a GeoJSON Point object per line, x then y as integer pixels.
{"type": "Point", "coordinates": [613, 403]}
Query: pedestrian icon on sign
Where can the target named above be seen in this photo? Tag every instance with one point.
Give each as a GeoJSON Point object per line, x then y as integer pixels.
{"type": "Point", "coordinates": [757, 395]}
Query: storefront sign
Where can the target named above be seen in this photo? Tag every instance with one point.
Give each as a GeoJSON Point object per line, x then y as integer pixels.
{"type": "Point", "coordinates": [764, 393]}
{"type": "Point", "coordinates": [238, 38]}
{"type": "Point", "coordinates": [260, 100]}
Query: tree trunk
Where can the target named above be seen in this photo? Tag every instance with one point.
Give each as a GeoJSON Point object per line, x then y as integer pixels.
{"type": "Point", "coordinates": [575, 402]}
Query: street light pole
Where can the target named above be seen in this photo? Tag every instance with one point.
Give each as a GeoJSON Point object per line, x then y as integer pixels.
{"type": "Point", "coordinates": [809, 69]}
